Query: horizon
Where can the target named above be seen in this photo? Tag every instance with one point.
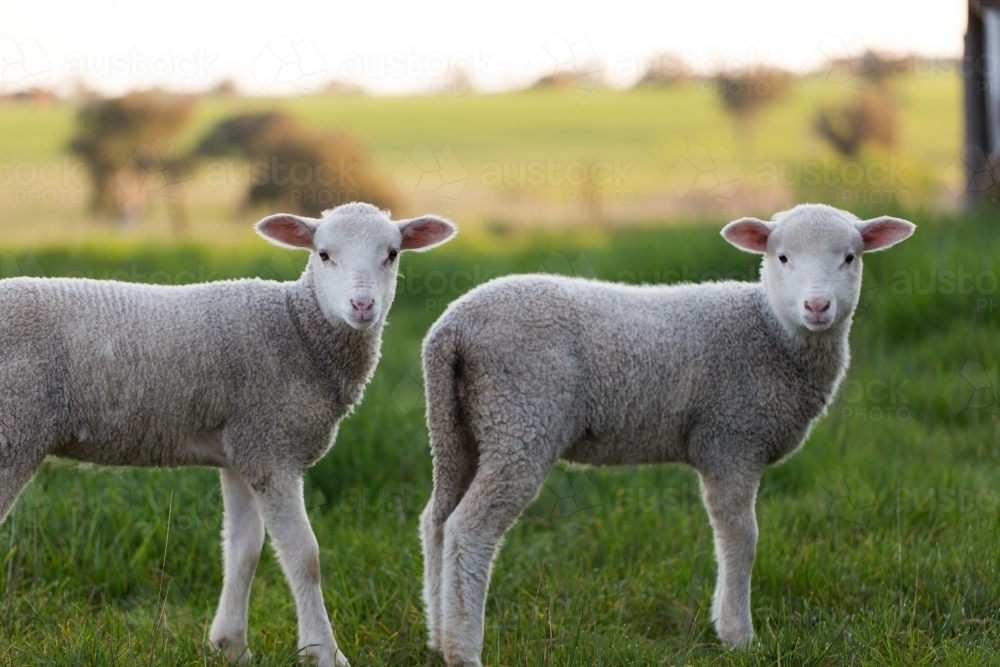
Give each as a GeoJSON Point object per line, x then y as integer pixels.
{"type": "Point", "coordinates": [416, 52]}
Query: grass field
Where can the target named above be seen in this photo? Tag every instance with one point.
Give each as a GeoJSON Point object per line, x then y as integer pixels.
{"type": "Point", "coordinates": [655, 154]}
{"type": "Point", "coordinates": [879, 540]}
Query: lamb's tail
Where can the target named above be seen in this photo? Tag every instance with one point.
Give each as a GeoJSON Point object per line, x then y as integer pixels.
{"type": "Point", "coordinates": [455, 460]}
{"type": "Point", "coordinates": [452, 445]}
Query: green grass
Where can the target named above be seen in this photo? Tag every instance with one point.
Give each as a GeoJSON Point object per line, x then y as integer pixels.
{"type": "Point", "coordinates": [878, 546]}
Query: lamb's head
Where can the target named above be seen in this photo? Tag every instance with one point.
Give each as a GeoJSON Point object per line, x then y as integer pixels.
{"type": "Point", "coordinates": [354, 256]}
{"type": "Point", "coordinates": [812, 260]}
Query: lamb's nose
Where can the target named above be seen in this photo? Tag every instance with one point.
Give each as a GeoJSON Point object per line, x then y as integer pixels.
{"type": "Point", "coordinates": [362, 306]}
{"type": "Point", "coordinates": [817, 305]}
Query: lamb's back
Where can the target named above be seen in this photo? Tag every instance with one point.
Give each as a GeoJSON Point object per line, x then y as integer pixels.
{"type": "Point", "coordinates": [139, 365]}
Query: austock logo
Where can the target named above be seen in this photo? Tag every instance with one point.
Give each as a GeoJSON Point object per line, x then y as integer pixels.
{"type": "Point", "coordinates": [844, 63]}
{"type": "Point", "coordinates": [974, 171]}
{"type": "Point", "coordinates": [150, 171]}
{"type": "Point", "coordinates": [836, 497]}
{"type": "Point", "coordinates": [23, 62]}
{"type": "Point", "coordinates": [409, 393]}
{"type": "Point", "coordinates": [974, 392]}
{"type": "Point", "coordinates": [711, 172]}
{"type": "Point", "coordinates": [568, 494]}
{"type": "Point", "coordinates": [11, 267]}
{"type": "Point", "coordinates": [575, 64]}
{"type": "Point", "coordinates": [286, 62]}
{"type": "Point", "coordinates": [427, 170]}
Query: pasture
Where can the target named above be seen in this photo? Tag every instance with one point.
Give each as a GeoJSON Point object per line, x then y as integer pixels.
{"type": "Point", "coordinates": [878, 541]}
{"type": "Point", "coordinates": [565, 157]}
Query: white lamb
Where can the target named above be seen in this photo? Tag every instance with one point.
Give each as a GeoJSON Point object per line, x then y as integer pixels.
{"type": "Point", "coordinates": [248, 376]}
{"type": "Point", "coordinates": [727, 377]}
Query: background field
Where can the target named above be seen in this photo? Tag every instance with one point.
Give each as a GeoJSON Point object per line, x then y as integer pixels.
{"type": "Point", "coordinates": [878, 540]}
{"type": "Point", "coordinates": [679, 154]}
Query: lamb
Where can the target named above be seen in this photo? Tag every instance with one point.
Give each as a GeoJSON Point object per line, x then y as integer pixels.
{"type": "Point", "coordinates": [727, 377]}
{"type": "Point", "coordinates": [251, 377]}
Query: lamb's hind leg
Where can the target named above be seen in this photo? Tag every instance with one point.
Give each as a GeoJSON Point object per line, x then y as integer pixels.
{"type": "Point", "coordinates": [498, 494]}
{"type": "Point", "coordinates": [729, 498]}
{"type": "Point", "coordinates": [454, 467]}
{"type": "Point", "coordinates": [26, 437]}
{"type": "Point", "coordinates": [18, 464]}
{"type": "Point", "coordinates": [242, 540]}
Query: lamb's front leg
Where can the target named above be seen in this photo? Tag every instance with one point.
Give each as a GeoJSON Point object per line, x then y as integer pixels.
{"type": "Point", "coordinates": [242, 539]}
{"type": "Point", "coordinates": [283, 507]}
{"type": "Point", "coordinates": [730, 500]}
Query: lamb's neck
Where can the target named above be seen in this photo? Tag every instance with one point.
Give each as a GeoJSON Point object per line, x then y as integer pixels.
{"type": "Point", "coordinates": [825, 354]}
{"type": "Point", "coordinates": [346, 355]}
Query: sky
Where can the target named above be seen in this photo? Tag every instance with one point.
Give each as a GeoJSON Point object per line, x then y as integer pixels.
{"type": "Point", "coordinates": [297, 46]}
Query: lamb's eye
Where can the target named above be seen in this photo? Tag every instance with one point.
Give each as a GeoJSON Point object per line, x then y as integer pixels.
{"type": "Point", "coordinates": [782, 259]}
{"type": "Point", "coordinates": [392, 254]}
{"type": "Point", "coordinates": [324, 256]}
{"type": "Point", "coordinates": [849, 258]}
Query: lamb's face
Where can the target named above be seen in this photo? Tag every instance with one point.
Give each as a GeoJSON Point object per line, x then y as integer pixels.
{"type": "Point", "coordinates": [812, 261]}
{"type": "Point", "coordinates": [354, 256]}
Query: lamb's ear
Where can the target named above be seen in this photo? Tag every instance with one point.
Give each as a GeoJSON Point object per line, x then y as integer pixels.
{"type": "Point", "coordinates": [288, 231]}
{"type": "Point", "coordinates": [425, 232]}
{"type": "Point", "coordinates": [879, 233]}
{"type": "Point", "coordinates": [748, 234]}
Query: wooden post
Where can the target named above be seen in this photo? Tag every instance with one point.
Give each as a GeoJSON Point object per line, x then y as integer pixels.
{"type": "Point", "coordinates": [981, 75]}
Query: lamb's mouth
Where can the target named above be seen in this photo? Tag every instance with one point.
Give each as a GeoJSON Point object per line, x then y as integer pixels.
{"type": "Point", "coordinates": [361, 322]}
{"type": "Point", "coordinates": [821, 322]}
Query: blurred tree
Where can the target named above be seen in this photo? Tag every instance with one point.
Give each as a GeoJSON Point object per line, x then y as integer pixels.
{"type": "Point", "coordinates": [870, 117]}
{"type": "Point", "coordinates": [293, 169]}
{"type": "Point", "coordinates": [743, 94]}
{"type": "Point", "coordinates": [663, 69]}
{"type": "Point", "coordinates": [125, 145]}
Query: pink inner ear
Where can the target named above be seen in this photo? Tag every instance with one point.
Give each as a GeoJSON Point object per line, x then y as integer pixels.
{"type": "Point", "coordinates": [287, 229]}
{"type": "Point", "coordinates": [748, 234]}
{"type": "Point", "coordinates": [882, 233]}
{"type": "Point", "coordinates": [425, 232]}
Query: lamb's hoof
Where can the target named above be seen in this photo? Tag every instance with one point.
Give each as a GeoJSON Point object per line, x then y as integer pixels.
{"type": "Point", "coordinates": [324, 658]}
{"type": "Point", "coordinates": [236, 651]}
{"type": "Point", "coordinates": [453, 661]}
{"type": "Point", "coordinates": [738, 639]}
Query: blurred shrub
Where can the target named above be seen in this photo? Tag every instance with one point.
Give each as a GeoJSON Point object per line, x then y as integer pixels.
{"type": "Point", "coordinates": [293, 169]}
{"type": "Point", "coordinates": [663, 69]}
{"type": "Point", "coordinates": [870, 117]}
{"type": "Point", "coordinates": [125, 144]}
{"type": "Point", "coordinates": [745, 93]}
